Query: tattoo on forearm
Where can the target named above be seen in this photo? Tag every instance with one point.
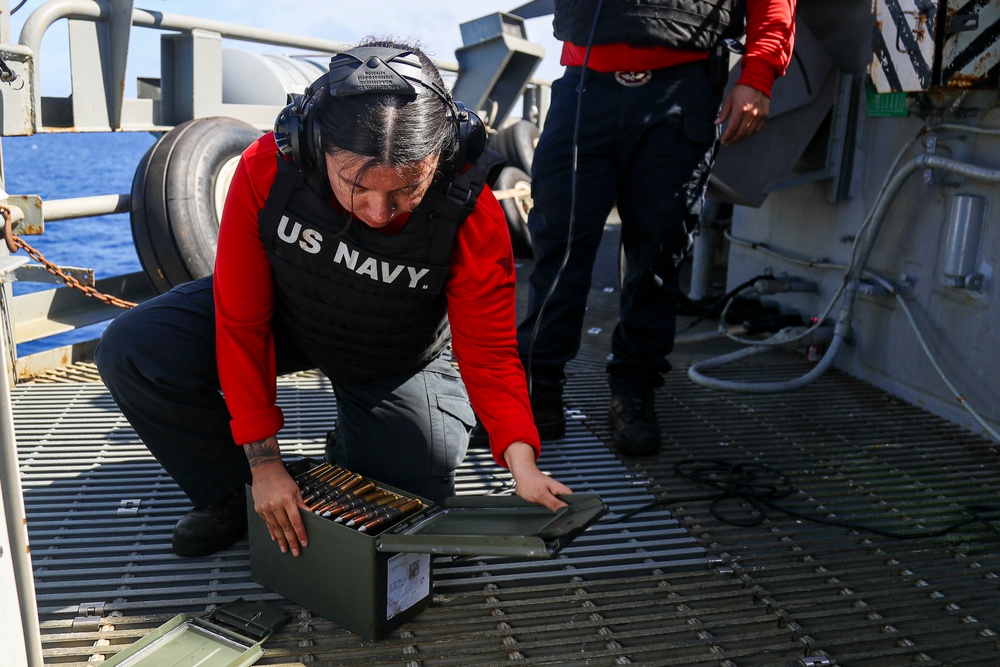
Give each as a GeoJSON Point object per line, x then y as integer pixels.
{"type": "Point", "coordinates": [261, 452]}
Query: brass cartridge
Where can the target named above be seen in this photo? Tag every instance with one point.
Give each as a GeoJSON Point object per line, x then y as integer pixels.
{"type": "Point", "coordinates": [389, 516]}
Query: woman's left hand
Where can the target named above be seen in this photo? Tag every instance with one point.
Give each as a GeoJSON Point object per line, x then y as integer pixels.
{"type": "Point", "coordinates": [532, 483]}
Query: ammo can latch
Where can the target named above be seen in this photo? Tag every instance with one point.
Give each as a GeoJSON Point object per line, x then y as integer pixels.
{"type": "Point", "coordinates": [253, 620]}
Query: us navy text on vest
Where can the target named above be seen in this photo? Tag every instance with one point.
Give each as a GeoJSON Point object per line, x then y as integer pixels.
{"type": "Point", "coordinates": [354, 259]}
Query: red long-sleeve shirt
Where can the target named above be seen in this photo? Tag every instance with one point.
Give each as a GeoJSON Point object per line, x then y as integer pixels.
{"type": "Point", "coordinates": [770, 36]}
{"type": "Point", "coordinates": [481, 311]}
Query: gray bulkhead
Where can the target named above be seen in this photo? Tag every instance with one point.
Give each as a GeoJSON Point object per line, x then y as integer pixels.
{"type": "Point", "coordinates": [939, 242]}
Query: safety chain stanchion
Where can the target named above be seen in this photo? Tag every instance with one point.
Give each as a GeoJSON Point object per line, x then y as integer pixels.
{"type": "Point", "coordinates": [8, 76]}
{"type": "Point", "coordinates": [14, 244]}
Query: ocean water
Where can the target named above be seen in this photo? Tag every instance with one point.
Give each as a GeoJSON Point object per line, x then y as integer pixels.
{"type": "Point", "coordinates": [60, 166]}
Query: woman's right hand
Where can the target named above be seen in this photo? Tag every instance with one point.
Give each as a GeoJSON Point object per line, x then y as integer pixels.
{"type": "Point", "coordinates": [530, 482]}
{"type": "Point", "coordinates": [276, 496]}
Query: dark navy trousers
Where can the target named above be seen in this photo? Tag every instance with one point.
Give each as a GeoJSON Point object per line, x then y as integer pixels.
{"type": "Point", "coordinates": [158, 361]}
{"type": "Point", "coordinates": [648, 149]}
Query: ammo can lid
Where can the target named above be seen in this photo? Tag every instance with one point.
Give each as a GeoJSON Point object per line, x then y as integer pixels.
{"type": "Point", "coordinates": [230, 636]}
{"type": "Point", "coordinates": [496, 526]}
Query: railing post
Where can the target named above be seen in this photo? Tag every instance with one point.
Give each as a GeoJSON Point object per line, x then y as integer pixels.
{"type": "Point", "coordinates": [19, 631]}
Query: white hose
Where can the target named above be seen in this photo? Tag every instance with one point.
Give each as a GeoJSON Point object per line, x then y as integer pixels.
{"type": "Point", "coordinates": [864, 244]}
{"type": "Point", "coordinates": [934, 362]}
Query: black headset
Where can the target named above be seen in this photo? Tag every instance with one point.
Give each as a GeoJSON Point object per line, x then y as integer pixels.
{"type": "Point", "coordinates": [372, 70]}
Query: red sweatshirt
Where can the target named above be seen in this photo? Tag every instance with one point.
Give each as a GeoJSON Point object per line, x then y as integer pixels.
{"type": "Point", "coordinates": [769, 41]}
{"type": "Point", "coordinates": [481, 310]}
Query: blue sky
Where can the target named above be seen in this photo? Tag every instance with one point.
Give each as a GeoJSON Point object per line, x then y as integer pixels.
{"type": "Point", "coordinates": [434, 23]}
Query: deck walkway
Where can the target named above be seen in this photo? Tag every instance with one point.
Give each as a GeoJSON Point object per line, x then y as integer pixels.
{"type": "Point", "coordinates": [690, 582]}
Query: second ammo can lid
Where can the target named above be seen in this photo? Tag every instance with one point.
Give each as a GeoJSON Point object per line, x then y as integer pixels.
{"type": "Point", "coordinates": [496, 526]}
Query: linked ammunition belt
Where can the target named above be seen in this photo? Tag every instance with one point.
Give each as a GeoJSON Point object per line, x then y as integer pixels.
{"type": "Point", "coordinates": [349, 499]}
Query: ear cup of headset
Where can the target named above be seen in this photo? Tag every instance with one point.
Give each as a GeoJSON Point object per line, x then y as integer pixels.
{"type": "Point", "coordinates": [470, 139]}
{"type": "Point", "coordinates": [297, 135]}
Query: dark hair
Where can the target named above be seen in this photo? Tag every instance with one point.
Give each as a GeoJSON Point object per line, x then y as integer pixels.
{"type": "Point", "coordinates": [389, 129]}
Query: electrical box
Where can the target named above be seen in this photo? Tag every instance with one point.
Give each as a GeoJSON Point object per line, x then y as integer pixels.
{"type": "Point", "coordinates": [372, 583]}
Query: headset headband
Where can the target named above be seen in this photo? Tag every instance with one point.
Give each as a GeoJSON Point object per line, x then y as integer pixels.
{"type": "Point", "coordinates": [376, 70]}
{"type": "Point", "coordinates": [372, 70]}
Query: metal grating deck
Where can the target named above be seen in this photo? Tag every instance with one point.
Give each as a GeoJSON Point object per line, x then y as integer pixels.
{"type": "Point", "coordinates": [673, 586]}
{"type": "Point", "coordinates": [101, 513]}
{"type": "Point", "coordinates": [855, 454]}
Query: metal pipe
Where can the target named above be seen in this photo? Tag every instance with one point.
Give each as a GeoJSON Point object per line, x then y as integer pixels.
{"type": "Point", "coordinates": [42, 19]}
{"type": "Point", "coordinates": [703, 254]}
{"type": "Point", "coordinates": [39, 21]}
{"type": "Point", "coordinates": [85, 207]}
{"type": "Point", "coordinates": [962, 239]}
{"type": "Point", "coordinates": [99, 10]}
{"type": "Point", "coordinates": [16, 517]}
{"type": "Point", "coordinates": [168, 21]}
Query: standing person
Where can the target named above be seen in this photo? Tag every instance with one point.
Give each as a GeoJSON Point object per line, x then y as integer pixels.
{"type": "Point", "coordinates": [351, 238]}
{"type": "Point", "coordinates": [638, 75]}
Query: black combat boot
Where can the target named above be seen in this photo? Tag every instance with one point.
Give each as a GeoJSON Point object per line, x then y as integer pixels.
{"type": "Point", "coordinates": [635, 426]}
{"type": "Point", "coordinates": [205, 530]}
{"type": "Point", "coordinates": [547, 409]}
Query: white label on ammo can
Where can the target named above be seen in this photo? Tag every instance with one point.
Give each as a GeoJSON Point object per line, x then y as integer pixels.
{"type": "Point", "coordinates": [408, 582]}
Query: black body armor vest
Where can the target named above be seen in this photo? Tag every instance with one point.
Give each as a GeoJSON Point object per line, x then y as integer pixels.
{"type": "Point", "coordinates": [364, 305]}
{"type": "Point", "coordinates": [689, 25]}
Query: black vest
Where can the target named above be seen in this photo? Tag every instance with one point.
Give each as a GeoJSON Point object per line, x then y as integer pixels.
{"type": "Point", "coordinates": [689, 25]}
{"type": "Point", "coordinates": [363, 305]}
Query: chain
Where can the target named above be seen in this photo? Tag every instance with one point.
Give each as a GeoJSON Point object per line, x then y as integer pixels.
{"type": "Point", "coordinates": [70, 280]}
{"type": "Point", "coordinates": [14, 244]}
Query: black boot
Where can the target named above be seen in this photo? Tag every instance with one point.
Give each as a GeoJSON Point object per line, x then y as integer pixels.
{"type": "Point", "coordinates": [547, 408]}
{"type": "Point", "coordinates": [205, 530]}
{"type": "Point", "coordinates": [479, 438]}
{"type": "Point", "coordinates": [635, 425]}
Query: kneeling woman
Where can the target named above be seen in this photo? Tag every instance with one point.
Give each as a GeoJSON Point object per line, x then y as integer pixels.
{"type": "Point", "coordinates": [360, 239]}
